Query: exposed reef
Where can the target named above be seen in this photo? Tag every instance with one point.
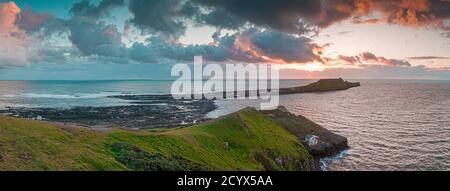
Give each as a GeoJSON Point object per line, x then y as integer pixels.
{"type": "Point", "coordinates": [147, 111]}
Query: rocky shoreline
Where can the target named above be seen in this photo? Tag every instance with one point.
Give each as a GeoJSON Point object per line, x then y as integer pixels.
{"type": "Point", "coordinates": [152, 111]}
{"type": "Point", "coordinates": [146, 112]}
{"type": "Point", "coordinates": [328, 143]}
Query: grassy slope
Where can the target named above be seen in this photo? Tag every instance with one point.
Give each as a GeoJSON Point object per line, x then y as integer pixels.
{"type": "Point", "coordinates": [255, 143]}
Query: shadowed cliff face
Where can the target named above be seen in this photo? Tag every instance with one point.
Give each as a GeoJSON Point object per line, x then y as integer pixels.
{"type": "Point", "coordinates": [329, 142]}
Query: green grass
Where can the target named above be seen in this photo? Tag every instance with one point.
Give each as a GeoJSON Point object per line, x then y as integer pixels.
{"type": "Point", "coordinates": [255, 143]}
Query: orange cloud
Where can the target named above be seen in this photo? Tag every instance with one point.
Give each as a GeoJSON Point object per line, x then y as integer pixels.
{"type": "Point", "coordinates": [8, 15]}
{"type": "Point", "coordinates": [424, 13]}
{"type": "Point", "coordinates": [14, 42]}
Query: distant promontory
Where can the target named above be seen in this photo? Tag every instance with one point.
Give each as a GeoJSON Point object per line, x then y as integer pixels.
{"type": "Point", "coordinates": [323, 85]}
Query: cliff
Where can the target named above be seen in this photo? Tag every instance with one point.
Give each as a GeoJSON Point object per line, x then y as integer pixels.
{"type": "Point", "coordinates": [329, 143]}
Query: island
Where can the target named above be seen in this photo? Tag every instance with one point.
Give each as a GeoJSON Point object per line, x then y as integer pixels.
{"type": "Point", "coordinates": [323, 85]}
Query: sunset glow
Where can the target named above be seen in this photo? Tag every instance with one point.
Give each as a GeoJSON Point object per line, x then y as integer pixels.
{"type": "Point", "coordinates": [398, 35]}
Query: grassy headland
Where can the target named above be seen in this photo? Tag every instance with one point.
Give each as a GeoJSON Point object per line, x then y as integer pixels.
{"type": "Point", "coordinates": [245, 140]}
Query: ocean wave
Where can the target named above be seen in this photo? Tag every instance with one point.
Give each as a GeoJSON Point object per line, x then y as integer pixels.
{"type": "Point", "coordinates": [324, 162]}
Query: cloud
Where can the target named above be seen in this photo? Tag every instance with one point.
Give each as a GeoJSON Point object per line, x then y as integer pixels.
{"type": "Point", "coordinates": [367, 56]}
{"type": "Point", "coordinates": [266, 30]}
{"type": "Point", "coordinates": [417, 13]}
{"type": "Point", "coordinates": [170, 17]}
{"type": "Point", "coordinates": [370, 72]}
{"type": "Point", "coordinates": [86, 9]}
{"type": "Point", "coordinates": [93, 37]}
{"type": "Point", "coordinates": [393, 62]}
{"type": "Point", "coordinates": [14, 42]}
{"type": "Point", "coordinates": [446, 34]}
{"type": "Point", "coordinates": [28, 20]}
{"type": "Point", "coordinates": [428, 58]}
{"type": "Point", "coordinates": [344, 32]}
{"type": "Point", "coordinates": [292, 16]}
{"type": "Point", "coordinates": [367, 59]}
{"type": "Point", "coordinates": [297, 16]}
{"type": "Point", "coordinates": [287, 48]}
{"type": "Point", "coordinates": [282, 15]}
{"type": "Point", "coordinates": [85, 30]}
{"type": "Point", "coordinates": [221, 19]}
{"type": "Point", "coordinates": [359, 20]}
{"type": "Point", "coordinates": [349, 59]}
{"type": "Point", "coordinates": [160, 16]}
{"type": "Point", "coordinates": [248, 46]}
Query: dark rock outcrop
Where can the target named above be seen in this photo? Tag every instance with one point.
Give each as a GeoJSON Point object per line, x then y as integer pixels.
{"type": "Point", "coordinates": [329, 143]}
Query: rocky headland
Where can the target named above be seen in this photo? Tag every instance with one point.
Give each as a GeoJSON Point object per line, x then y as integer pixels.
{"type": "Point", "coordinates": [328, 143]}
{"type": "Point", "coordinates": [323, 85]}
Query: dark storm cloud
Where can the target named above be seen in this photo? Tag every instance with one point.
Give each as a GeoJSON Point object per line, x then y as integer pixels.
{"type": "Point", "coordinates": [161, 16]}
{"type": "Point", "coordinates": [91, 35]}
{"type": "Point", "coordinates": [289, 15]}
{"type": "Point", "coordinates": [282, 15]}
{"type": "Point", "coordinates": [286, 47]}
{"type": "Point", "coordinates": [251, 46]}
{"type": "Point", "coordinates": [95, 37]}
{"type": "Point", "coordinates": [292, 16]}
{"type": "Point", "coordinates": [86, 9]}
{"type": "Point", "coordinates": [440, 8]}
{"type": "Point", "coordinates": [222, 19]}
{"type": "Point", "coordinates": [159, 50]}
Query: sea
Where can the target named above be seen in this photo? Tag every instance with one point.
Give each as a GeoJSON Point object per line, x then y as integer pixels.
{"type": "Point", "coordinates": [391, 125]}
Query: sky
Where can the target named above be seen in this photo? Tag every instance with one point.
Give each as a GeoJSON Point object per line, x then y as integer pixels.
{"type": "Point", "coordinates": [141, 39]}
